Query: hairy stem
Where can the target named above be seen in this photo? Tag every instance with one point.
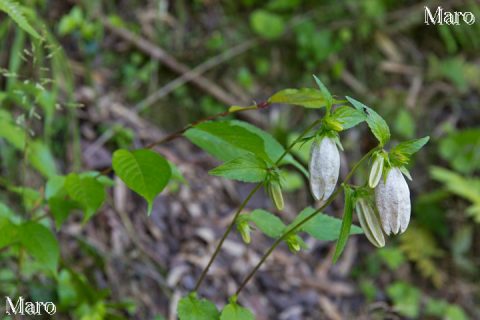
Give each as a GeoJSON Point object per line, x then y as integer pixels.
{"type": "Point", "coordinates": [301, 223]}
{"type": "Point", "coordinates": [245, 202]}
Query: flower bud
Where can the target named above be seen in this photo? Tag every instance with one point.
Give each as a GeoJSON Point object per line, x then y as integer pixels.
{"type": "Point", "coordinates": [244, 229]}
{"type": "Point", "coordinates": [293, 242]}
{"type": "Point", "coordinates": [370, 223]}
{"type": "Point", "coordinates": [376, 172]}
{"type": "Point", "coordinates": [392, 198]}
{"type": "Point", "coordinates": [324, 167]}
{"type": "Point", "coordinates": [275, 192]}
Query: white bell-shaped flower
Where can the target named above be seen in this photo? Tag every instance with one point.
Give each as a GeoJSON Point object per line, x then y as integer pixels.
{"type": "Point", "coordinates": [392, 198]}
{"type": "Point", "coordinates": [324, 167]}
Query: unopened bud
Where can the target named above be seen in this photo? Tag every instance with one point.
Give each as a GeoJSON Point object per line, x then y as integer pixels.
{"type": "Point", "coordinates": [376, 172]}
{"type": "Point", "coordinates": [275, 193]}
{"type": "Point", "coordinates": [293, 243]}
{"type": "Point", "coordinates": [244, 229]}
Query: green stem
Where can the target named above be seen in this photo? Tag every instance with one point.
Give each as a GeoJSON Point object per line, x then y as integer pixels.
{"type": "Point", "coordinates": [301, 223]}
{"type": "Point", "coordinates": [245, 202]}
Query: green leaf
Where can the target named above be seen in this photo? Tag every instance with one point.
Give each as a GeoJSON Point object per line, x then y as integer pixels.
{"type": "Point", "coordinates": [305, 97]}
{"type": "Point", "coordinates": [346, 223]}
{"type": "Point", "coordinates": [39, 242]}
{"type": "Point", "coordinates": [246, 168]}
{"type": "Point", "coordinates": [267, 25]}
{"type": "Point", "coordinates": [376, 123]}
{"type": "Point", "coordinates": [400, 154]}
{"type": "Point", "coordinates": [268, 223]}
{"type": "Point", "coordinates": [8, 232]}
{"type": "Point", "coordinates": [87, 191]}
{"type": "Point", "coordinates": [321, 227]}
{"type": "Point", "coordinates": [325, 93]}
{"type": "Point", "coordinates": [144, 171]}
{"type": "Point", "coordinates": [55, 187]}
{"type": "Point", "coordinates": [192, 308]}
{"type": "Point", "coordinates": [348, 117]}
{"type": "Point", "coordinates": [15, 11]}
{"type": "Point", "coordinates": [228, 140]}
{"type": "Point", "coordinates": [60, 209]}
{"type": "Point", "coordinates": [41, 158]}
{"type": "Point", "coordinates": [233, 311]}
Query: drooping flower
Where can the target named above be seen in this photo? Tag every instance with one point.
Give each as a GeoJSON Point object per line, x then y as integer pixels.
{"type": "Point", "coordinates": [370, 222]}
{"type": "Point", "coordinates": [324, 167]}
{"type": "Point", "coordinates": [392, 198]}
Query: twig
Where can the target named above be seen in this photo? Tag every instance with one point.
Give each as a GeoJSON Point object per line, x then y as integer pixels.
{"type": "Point", "coordinates": [195, 73]}
{"type": "Point", "coordinates": [160, 54]}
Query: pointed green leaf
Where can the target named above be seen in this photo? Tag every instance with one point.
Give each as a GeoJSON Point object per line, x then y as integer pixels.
{"type": "Point", "coordinates": [15, 11]}
{"type": "Point", "coordinates": [267, 222]}
{"type": "Point", "coordinates": [144, 171]}
{"type": "Point", "coordinates": [233, 311]}
{"type": "Point", "coordinates": [87, 191]}
{"type": "Point", "coordinates": [191, 307]}
{"type": "Point", "coordinates": [376, 123]}
{"type": "Point", "coordinates": [348, 117]}
{"type": "Point", "coordinates": [305, 97]}
{"type": "Point", "coordinates": [321, 227]}
{"type": "Point", "coordinates": [60, 208]}
{"type": "Point", "coordinates": [246, 168]}
{"type": "Point", "coordinates": [401, 153]}
{"type": "Point", "coordinates": [228, 140]}
{"type": "Point", "coordinates": [39, 242]}
{"type": "Point", "coordinates": [346, 223]}
{"type": "Point", "coordinates": [325, 93]}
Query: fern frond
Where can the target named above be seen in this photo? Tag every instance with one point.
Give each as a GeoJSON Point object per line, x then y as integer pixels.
{"type": "Point", "coordinates": [15, 12]}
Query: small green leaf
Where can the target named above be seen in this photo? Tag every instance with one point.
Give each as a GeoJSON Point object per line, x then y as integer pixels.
{"type": "Point", "coordinates": [192, 308]}
{"type": "Point", "coordinates": [267, 222]}
{"type": "Point", "coordinates": [305, 97]}
{"type": "Point", "coordinates": [233, 311]}
{"type": "Point", "coordinates": [87, 191]}
{"type": "Point", "coordinates": [376, 123]}
{"type": "Point", "coordinates": [325, 93]}
{"type": "Point", "coordinates": [246, 168]}
{"type": "Point", "coordinates": [267, 24]}
{"type": "Point", "coordinates": [400, 154]}
{"type": "Point", "coordinates": [346, 223]}
{"type": "Point", "coordinates": [348, 117]}
{"type": "Point", "coordinates": [41, 244]}
{"type": "Point", "coordinates": [321, 227]}
{"type": "Point", "coordinates": [144, 171]}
